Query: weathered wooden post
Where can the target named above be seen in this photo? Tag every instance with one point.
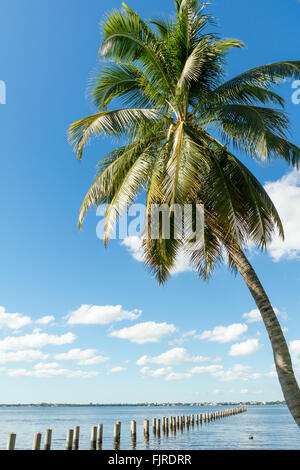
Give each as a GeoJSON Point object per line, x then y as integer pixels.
{"type": "Point", "coordinates": [100, 436]}
{"type": "Point", "coordinates": [94, 438]}
{"type": "Point", "coordinates": [37, 439]}
{"type": "Point", "coordinates": [133, 430]}
{"type": "Point", "coordinates": [48, 438]}
{"type": "Point", "coordinates": [11, 442]}
{"type": "Point", "coordinates": [116, 434]}
{"type": "Point", "coordinates": [76, 438]}
{"type": "Point", "coordinates": [167, 425]}
{"type": "Point", "coordinates": [146, 429]}
{"type": "Point", "coordinates": [154, 425]}
{"type": "Point", "coordinates": [182, 422]}
{"type": "Point", "coordinates": [158, 427]}
{"type": "Point", "coordinates": [119, 431]}
{"type": "Point", "coordinates": [69, 441]}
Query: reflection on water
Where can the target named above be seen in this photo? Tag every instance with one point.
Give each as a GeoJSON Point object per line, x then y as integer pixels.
{"type": "Point", "coordinates": [272, 427]}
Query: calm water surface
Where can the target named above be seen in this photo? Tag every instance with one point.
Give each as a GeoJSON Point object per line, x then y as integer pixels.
{"type": "Point", "coordinates": [271, 426]}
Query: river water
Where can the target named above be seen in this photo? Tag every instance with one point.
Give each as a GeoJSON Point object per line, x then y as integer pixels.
{"type": "Point", "coordinates": [272, 427]}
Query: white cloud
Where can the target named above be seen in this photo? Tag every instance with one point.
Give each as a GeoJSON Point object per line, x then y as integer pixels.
{"type": "Point", "coordinates": [254, 315]}
{"type": "Point", "coordinates": [13, 321]}
{"type": "Point", "coordinates": [35, 340]}
{"type": "Point", "coordinates": [244, 391]}
{"type": "Point", "coordinates": [246, 348]}
{"type": "Point", "coordinates": [45, 320]}
{"type": "Point", "coordinates": [173, 356]}
{"type": "Point", "coordinates": [178, 376]}
{"type": "Point", "coordinates": [148, 332]}
{"type": "Point", "coordinates": [285, 193]}
{"type": "Point", "coordinates": [116, 370]}
{"type": "Point", "coordinates": [182, 338]}
{"type": "Point", "coordinates": [46, 365]}
{"type": "Point", "coordinates": [294, 347]}
{"type": "Point", "coordinates": [134, 246]}
{"type": "Point", "coordinates": [29, 355]}
{"type": "Point", "coordinates": [213, 369]}
{"type": "Point", "coordinates": [237, 372]}
{"type": "Point", "coordinates": [162, 371]}
{"type": "Point", "coordinates": [224, 334]}
{"type": "Point", "coordinates": [84, 357]}
{"type": "Point", "coordinates": [272, 372]}
{"type": "Point", "coordinates": [50, 370]}
{"type": "Point", "coordinates": [100, 315]}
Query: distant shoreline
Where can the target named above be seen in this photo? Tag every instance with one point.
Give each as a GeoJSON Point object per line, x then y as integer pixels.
{"type": "Point", "coordinates": [57, 405]}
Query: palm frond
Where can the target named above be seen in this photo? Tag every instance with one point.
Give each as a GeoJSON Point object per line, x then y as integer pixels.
{"type": "Point", "coordinates": [109, 123]}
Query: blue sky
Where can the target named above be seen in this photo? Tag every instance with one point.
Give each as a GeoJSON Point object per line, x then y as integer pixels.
{"type": "Point", "coordinates": [50, 270]}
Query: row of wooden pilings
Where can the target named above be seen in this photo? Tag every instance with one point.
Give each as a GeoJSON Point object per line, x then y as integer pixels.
{"type": "Point", "coordinates": [159, 425]}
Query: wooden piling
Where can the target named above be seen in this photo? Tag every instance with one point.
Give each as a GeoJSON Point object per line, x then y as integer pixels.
{"type": "Point", "coordinates": [154, 425]}
{"type": "Point", "coordinates": [37, 439]}
{"type": "Point", "coordinates": [100, 436]}
{"type": "Point", "coordinates": [94, 438]}
{"type": "Point", "coordinates": [76, 438]}
{"type": "Point", "coordinates": [48, 438]}
{"type": "Point", "coordinates": [69, 440]}
{"type": "Point", "coordinates": [158, 427]}
{"type": "Point", "coordinates": [133, 430]}
{"type": "Point", "coordinates": [117, 433]}
{"type": "Point", "coordinates": [11, 442]}
{"type": "Point", "coordinates": [167, 425]}
{"type": "Point", "coordinates": [146, 429]}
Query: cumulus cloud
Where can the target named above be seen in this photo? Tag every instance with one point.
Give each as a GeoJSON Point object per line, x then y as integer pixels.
{"type": "Point", "coordinates": [100, 315]}
{"type": "Point", "coordinates": [175, 356]}
{"type": "Point", "coordinates": [45, 320]}
{"type": "Point", "coordinates": [224, 334]}
{"type": "Point", "coordinates": [35, 340]}
{"type": "Point", "coordinates": [272, 372]}
{"type": "Point", "coordinates": [134, 246]}
{"type": "Point", "coordinates": [178, 376]}
{"type": "Point", "coordinates": [237, 372]}
{"type": "Point", "coordinates": [13, 321]}
{"type": "Point", "coordinates": [213, 369]}
{"type": "Point", "coordinates": [148, 332]}
{"type": "Point", "coordinates": [50, 370]}
{"type": "Point", "coordinates": [246, 348]}
{"type": "Point", "coordinates": [184, 337]}
{"type": "Point", "coordinates": [254, 315]}
{"type": "Point", "coordinates": [285, 193]}
{"type": "Point", "coordinates": [85, 357]}
{"type": "Point", "coordinates": [116, 370]}
{"type": "Point", "coordinates": [162, 371]}
{"type": "Point", "coordinates": [294, 347]}
{"type": "Point", "coordinates": [29, 355]}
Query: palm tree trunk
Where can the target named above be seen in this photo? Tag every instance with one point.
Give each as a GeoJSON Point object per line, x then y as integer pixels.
{"type": "Point", "coordinates": [281, 353]}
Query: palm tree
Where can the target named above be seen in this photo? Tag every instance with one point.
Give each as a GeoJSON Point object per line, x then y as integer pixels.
{"type": "Point", "coordinates": [180, 123]}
